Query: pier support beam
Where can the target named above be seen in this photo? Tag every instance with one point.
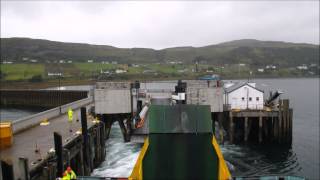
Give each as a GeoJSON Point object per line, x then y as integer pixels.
{"type": "Point", "coordinates": [1, 177]}
{"type": "Point", "coordinates": [275, 126]}
{"type": "Point", "coordinates": [260, 129]}
{"type": "Point", "coordinates": [123, 130]}
{"type": "Point", "coordinates": [285, 119]}
{"type": "Point", "coordinates": [79, 160]}
{"type": "Point", "coordinates": [108, 123]}
{"type": "Point", "coordinates": [24, 168]}
{"type": "Point", "coordinates": [7, 171]}
{"type": "Point", "coordinates": [231, 128]}
{"type": "Point", "coordinates": [220, 119]}
{"type": "Point", "coordinates": [102, 139]}
{"type": "Point", "coordinates": [280, 132]}
{"type": "Point", "coordinates": [246, 129]}
{"type": "Point", "coordinates": [290, 125]}
{"type": "Point", "coordinates": [85, 145]}
{"type": "Point", "coordinates": [58, 150]}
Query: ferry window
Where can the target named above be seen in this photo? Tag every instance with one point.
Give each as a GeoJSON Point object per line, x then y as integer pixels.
{"type": "Point", "coordinates": [257, 98]}
{"type": "Point", "coordinates": [250, 98]}
{"type": "Point", "coordinates": [242, 98]}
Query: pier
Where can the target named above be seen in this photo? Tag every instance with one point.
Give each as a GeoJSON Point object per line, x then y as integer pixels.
{"type": "Point", "coordinates": [258, 126]}
{"type": "Point", "coordinates": [44, 151]}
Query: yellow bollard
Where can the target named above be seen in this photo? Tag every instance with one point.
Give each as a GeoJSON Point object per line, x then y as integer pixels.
{"type": "Point", "coordinates": [6, 137]}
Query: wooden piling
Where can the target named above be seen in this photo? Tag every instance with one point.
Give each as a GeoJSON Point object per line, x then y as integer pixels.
{"type": "Point", "coordinates": [85, 144]}
{"type": "Point", "coordinates": [102, 139]}
{"type": "Point", "coordinates": [265, 126]}
{"type": "Point", "coordinates": [45, 173]}
{"type": "Point", "coordinates": [91, 152]}
{"type": "Point", "coordinates": [272, 125]}
{"type": "Point", "coordinates": [260, 129]}
{"type": "Point", "coordinates": [58, 150]}
{"type": "Point", "coordinates": [280, 132]}
{"type": "Point", "coordinates": [231, 128]}
{"type": "Point", "coordinates": [285, 118]}
{"type": "Point", "coordinates": [24, 168]}
{"type": "Point", "coordinates": [8, 169]}
{"type": "Point", "coordinates": [98, 147]}
{"type": "Point", "coordinates": [246, 129]}
{"type": "Point", "coordinates": [290, 125]}
{"type": "Point", "coordinates": [220, 120]}
{"type": "Point", "coordinates": [108, 121]}
{"type": "Point", "coordinates": [67, 157]}
{"type": "Point", "coordinates": [1, 174]}
{"type": "Point", "coordinates": [50, 171]}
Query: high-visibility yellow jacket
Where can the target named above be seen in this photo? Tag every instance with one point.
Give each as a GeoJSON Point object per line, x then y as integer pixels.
{"type": "Point", "coordinates": [66, 177]}
{"type": "Point", "coordinates": [69, 175]}
{"type": "Point", "coordinates": [70, 115]}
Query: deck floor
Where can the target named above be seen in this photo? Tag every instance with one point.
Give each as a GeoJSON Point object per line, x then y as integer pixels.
{"type": "Point", "coordinates": [24, 143]}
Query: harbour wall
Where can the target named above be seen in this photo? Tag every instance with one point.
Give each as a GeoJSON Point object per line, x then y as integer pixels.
{"type": "Point", "coordinates": [40, 98]}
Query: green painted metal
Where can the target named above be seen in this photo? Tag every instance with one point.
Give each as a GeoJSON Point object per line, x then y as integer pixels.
{"type": "Point", "coordinates": [180, 119]}
{"type": "Point", "coordinates": [180, 156]}
{"type": "Point", "coordinates": [180, 143]}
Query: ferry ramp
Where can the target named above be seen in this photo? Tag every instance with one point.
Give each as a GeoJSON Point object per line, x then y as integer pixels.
{"type": "Point", "coordinates": [180, 145]}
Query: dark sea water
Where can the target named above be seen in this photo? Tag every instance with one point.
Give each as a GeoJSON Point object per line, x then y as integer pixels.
{"type": "Point", "coordinates": [302, 159]}
{"type": "Point", "coordinates": [12, 114]}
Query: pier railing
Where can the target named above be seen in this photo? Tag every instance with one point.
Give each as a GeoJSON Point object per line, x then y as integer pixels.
{"type": "Point", "coordinates": [228, 107]}
{"type": "Point", "coordinates": [30, 121]}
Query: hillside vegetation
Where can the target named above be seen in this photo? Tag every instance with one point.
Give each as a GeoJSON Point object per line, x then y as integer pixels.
{"type": "Point", "coordinates": [248, 51]}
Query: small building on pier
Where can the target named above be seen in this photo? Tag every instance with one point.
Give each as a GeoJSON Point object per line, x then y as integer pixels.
{"type": "Point", "coordinates": [244, 96]}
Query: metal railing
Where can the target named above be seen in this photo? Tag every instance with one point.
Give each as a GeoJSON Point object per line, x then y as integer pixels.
{"type": "Point", "coordinates": [30, 121]}
{"type": "Point", "coordinates": [228, 107]}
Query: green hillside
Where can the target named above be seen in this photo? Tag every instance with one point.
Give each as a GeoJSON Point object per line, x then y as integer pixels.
{"type": "Point", "coordinates": [247, 51]}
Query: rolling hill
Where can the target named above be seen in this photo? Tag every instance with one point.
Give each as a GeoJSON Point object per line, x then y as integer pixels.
{"type": "Point", "coordinates": [248, 51]}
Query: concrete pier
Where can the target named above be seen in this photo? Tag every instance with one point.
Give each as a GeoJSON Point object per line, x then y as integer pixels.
{"type": "Point", "coordinates": [43, 152]}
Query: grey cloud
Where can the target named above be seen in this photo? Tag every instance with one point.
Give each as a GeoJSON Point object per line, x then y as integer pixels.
{"type": "Point", "coordinates": [161, 24]}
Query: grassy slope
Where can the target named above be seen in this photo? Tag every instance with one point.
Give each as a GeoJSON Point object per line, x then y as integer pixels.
{"type": "Point", "coordinates": [22, 71]}
{"type": "Point", "coordinates": [249, 51]}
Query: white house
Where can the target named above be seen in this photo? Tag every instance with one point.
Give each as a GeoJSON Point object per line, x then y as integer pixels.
{"type": "Point", "coordinates": [302, 67]}
{"type": "Point", "coordinates": [120, 71]}
{"type": "Point", "coordinates": [244, 96]}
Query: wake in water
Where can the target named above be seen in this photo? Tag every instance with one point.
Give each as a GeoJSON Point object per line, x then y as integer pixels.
{"type": "Point", "coordinates": [241, 160]}
{"type": "Point", "coordinates": [260, 161]}
{"type": "Point", "coordinates": [256, 160]}
{"type": "Point", "coordinates": [120, 156]}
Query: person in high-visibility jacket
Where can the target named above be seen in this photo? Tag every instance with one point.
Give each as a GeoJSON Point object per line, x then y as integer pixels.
{"type": "Point", "coordinates": [65, 176]}
{"type": "Point", "coordinates": [70, 118]}
{"type": "Point", "coordinates": [70, 115]}
{"type": "Point", "coordinates": [69, 174]}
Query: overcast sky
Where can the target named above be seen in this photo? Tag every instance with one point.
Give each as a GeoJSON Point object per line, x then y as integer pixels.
{"type": "Point", "coordinates": [161, 24]}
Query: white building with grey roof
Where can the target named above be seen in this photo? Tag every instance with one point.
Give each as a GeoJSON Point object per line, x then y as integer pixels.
{"type": "Point", "coordinates": [244, 96]}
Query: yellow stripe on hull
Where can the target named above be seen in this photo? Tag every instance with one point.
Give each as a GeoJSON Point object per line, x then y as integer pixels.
{"type": "Point", "coordinates": [224, 173]}
{"type": "Point", "coordinates": [137, 169]}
